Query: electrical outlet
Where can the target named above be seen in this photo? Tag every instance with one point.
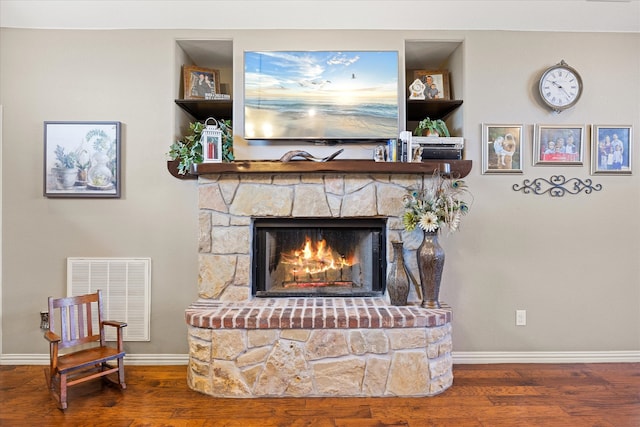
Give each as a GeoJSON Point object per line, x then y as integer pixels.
{"type": "Point", "coordinates": [44, 320]}
{"type": "Point", "coordinates": [521, 317]}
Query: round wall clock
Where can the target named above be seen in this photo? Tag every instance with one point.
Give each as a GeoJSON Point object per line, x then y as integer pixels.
{"type": "Point", "coordinates": [560, 87]}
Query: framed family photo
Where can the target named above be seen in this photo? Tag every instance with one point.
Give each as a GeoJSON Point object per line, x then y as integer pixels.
{"type": "Point", "coordinates": [200, 83]}
{"type": "Point", "coordinates": [559, 145]}
{"type": "Point", "coordinates": [436, 83]}
{"type": "Point", "coordinates": [82, 159]}
{"type": "Point", "coordinates": [502, 148]}
{"type": "Point", "coordinates": [611, 150]}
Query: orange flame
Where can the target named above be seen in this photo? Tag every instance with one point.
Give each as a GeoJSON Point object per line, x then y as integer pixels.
{"type": "Point", "coordinates": [316, 258]}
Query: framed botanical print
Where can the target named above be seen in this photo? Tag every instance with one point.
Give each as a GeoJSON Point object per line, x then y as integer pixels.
{"type": "Point", "coordinates": [611, 150]}
{"type": "Point", "coordinates": [559, 145]}
{"type": "Point", "coordinates": [502, 148]}
{"type": "Point", "coordinates": [82, 159]}
{"type": "Point", "coordinates": [436, 83]}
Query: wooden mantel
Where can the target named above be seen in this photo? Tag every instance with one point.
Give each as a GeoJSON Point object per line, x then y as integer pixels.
{"type": "Point", "coordinates": [457, 168]}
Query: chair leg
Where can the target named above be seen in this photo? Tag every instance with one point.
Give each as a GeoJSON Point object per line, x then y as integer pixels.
{"type": "Point", "coordinates": [48, 377]}
{"type": "Point", "coordinates": [121, 373]}
{"type": "Point", "coordinates": [54, 383]}
{"type": "Point", "coordinates": [63, 391]}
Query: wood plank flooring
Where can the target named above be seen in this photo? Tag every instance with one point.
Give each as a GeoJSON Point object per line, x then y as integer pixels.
{"type": "Point", "coordinates": [549, 395]}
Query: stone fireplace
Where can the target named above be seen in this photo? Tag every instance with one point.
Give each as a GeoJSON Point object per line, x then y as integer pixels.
{"type": "Point", "coordinates": [354, 344]}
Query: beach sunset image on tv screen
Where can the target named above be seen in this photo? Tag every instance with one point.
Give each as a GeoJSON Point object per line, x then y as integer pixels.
{"type": "Point", "coordinates": [318, 95]}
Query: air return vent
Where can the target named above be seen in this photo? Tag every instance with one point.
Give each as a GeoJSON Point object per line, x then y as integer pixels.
{"type": "Point", "coordinates": [126, 291]}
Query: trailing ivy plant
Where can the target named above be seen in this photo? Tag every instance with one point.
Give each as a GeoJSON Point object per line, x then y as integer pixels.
{"type": "Point", "coordinates": [188, 150]}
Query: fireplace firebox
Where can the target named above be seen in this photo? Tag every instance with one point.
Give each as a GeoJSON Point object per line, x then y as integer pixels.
{"type": "Point", "coordinates": [318, 257]}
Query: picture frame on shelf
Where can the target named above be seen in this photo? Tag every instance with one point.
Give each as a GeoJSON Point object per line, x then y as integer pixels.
{"type": "Point", "coordinates": [200, 83]}
{"type": "Point", "coordinates": [559, 145]}
{"type": "Point", "coordinates": [436, 83]}
{"type": "Point", "coordinates": [82, 159]}
{"type": "Point", "coordinates": [502, 148]}
{"type": "Point", "coordinates": [611, 149]}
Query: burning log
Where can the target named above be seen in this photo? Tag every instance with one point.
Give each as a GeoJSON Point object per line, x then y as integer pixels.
{"type": "Point", "coordinates": [316, 264]}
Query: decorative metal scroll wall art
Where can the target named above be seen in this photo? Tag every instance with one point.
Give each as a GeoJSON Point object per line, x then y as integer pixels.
{"type": "Point", "coordinates": [557, 186]}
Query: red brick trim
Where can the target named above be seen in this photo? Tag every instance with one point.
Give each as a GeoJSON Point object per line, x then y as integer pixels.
{"type": "Point", "coordinates": [312, 313]}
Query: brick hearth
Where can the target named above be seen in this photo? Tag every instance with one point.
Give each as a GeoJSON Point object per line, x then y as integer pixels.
{"type": "Point", "coordinates": [312, 313]}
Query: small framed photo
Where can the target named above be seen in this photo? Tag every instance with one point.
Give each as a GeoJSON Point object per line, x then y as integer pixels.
{"type": "Point", "coordinates": [82, 159]}
{"type": "Point", "coordinates": [200, 83]}
{"type": "Point", "coordinates": [611, 150]}
{"type": "Point", "coordinates": [436, 83]}
{"type": "Point", "coordinates": [502, 148]}
{"type": "Point", "coordinates": [559, 145]}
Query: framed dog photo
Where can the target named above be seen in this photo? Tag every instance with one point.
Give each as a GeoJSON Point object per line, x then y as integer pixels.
{"type": "Point", "coordinates": [200, 83]}
{"type": "Point", "coordinates": [611, 150]}
{"type": "Point", "coordinates": [436, 83]}
{"type": "Point", "coordinates": [502, 148]}
{"type": "Point", "coordinates": [559, 145]}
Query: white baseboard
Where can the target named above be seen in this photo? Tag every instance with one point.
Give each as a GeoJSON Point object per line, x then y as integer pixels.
{"type": "Point", "coordinates": [459, 357]}
{"type": "Point", "coordinates": [130, 359]}
{"type": "Point", "coordinates": [492, 357]}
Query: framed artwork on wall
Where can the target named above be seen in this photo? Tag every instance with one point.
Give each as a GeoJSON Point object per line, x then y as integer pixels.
{"type": "Point", "coordinates": [436, 83]}
{"type": "Point", "coordinates": [82, 159]}
{"type": "Point", "coordinates": [200, 83]}
{"type": "Point", "coordinates": [559, 145]}
{"type": "Point", "coordinates": [611, 150]}
{"type": "Point", "coordinates": [502, 148]}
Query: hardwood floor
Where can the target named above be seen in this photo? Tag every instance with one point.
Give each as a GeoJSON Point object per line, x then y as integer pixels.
{"type": "Point", "coordinates": [564, 395]}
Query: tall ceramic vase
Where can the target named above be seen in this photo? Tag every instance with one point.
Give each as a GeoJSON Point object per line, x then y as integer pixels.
{"type": "Point", "coordinates": [430, 265]}
{"type": "Point", "coordinates": [397, 278]}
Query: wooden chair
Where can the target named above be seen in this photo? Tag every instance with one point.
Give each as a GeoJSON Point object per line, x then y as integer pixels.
{"type": "Point", "coordinates": [87, 352]}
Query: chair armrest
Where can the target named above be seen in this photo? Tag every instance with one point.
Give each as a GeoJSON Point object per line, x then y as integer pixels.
{"type": "Point", "coordinates": [114, 323]}
{"type": "Point", "coordinates": [51, 337]}
{"type": "Point", "coordinates": [120, 326]}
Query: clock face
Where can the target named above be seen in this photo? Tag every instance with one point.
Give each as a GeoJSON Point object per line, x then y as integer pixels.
{"type": "Point", "coordinates": [560, 87]}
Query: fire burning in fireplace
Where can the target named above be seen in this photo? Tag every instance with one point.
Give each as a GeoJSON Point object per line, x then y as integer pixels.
{"type": "Point", "coordinates": [316, 264]}
{"type": "Point", "coordinates": [318, 257]}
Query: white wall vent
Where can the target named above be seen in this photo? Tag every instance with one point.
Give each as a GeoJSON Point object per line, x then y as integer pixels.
{"type": "Point", "coordinates": [126, 291]}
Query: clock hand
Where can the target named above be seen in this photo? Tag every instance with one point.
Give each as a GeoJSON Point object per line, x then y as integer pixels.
{"type": "Point", "coordinates": [565, 92]}
{"type": "Point", "coordinates": [559, 86]}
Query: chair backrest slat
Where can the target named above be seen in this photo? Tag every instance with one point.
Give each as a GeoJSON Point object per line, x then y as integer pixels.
{"type": "Point", "coordinates": [76, 319]}
{"type": "Point", "coordinates": [89, 321]}
{"type": "Point", "coordinates": [73, 323]}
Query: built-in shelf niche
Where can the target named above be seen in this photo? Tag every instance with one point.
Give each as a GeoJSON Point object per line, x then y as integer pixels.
{"type": "Point", "coordinates": [435, 55]}
{"type": "Point", "coordinates": [215, 54]}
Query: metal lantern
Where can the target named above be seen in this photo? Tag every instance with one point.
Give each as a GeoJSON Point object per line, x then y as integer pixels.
{"type": "Point", "coordinates": [211, 140]}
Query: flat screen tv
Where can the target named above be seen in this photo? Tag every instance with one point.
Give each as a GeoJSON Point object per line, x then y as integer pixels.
{"type": "Point", "coordinates": [321, 96]}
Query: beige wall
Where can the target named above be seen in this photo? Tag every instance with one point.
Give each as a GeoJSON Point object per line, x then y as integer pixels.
{"type": "Point", "coordinates": [571, 262]}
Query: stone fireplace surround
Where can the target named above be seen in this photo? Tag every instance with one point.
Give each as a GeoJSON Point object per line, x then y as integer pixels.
{"type": "Point", "coordinates": [240, 346]}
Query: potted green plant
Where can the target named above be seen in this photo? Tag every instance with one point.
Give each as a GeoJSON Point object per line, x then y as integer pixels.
{"type": "Point", "coordinates": [429, 127]}
{"type": "Point", "coordinates": [188, 150]}
{"type": "Point", "coordinates": [65, 169]}
{"type": "Point", "coordinates": [83, 162]}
